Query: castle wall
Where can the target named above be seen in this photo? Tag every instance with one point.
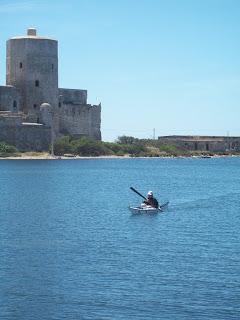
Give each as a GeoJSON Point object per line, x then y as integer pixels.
{"type": "Point", "coordinates": [8, 128]}
{"type": "Point", "coordinates": [32, 67]}
{"type": "Point", "coordinates": [73, 96]}
{"type": "Point", "coordinates": [78, 120]}
{"type": "Point", "coordinates": [10, 99]}
{"type": "Point", "coordinates": [25, 136]}
{"type": "Point", "coordinates": [95, 123]}
{"type": "Point", "coordinates": [33, 137]}
{"type": "Point", "coordinates": [76, 117]}
{"type": "Point", "coordinates": [31, 103]}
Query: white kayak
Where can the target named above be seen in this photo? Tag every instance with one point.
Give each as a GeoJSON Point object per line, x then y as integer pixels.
{"type": "Point", "coordinates": [148, 209]}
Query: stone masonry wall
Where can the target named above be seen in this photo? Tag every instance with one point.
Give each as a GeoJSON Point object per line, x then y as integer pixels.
{"type": "Point", "coordinates": [79, 120]}
{"type": "Point", "coordinates": [8, 129]}
{"type": "Point", "coordinates": [10, 99]}
{"type": "Point", "coordinates": [95, 124]}
{"type": "Point", "coordinates": [32, 83]}
{"type": "Point", "coordinates": [32, 67]}
{"type": "Point", "coordinates": [76, 117]}
{"type": "Point", "coordinates": [25, 136]}
{"type": "Point", "coordinates": [73, 96]}
{"type": "Point", "coordinates": [33, 137]}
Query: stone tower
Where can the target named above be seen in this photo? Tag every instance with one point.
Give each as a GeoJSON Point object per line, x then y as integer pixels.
{"type": "Point", "coordinates": [32, 67]}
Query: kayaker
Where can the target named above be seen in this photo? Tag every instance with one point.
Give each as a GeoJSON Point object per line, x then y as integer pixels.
{"type": "Point", "coordinates": [151, 201]}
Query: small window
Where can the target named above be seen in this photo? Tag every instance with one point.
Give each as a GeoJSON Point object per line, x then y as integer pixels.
{"type": "Point", "coordinates": [207, 146]}
{"type": "Point", "coordinates": [37, 83]}
{"type": "Point", "coordinates": [20, 65]}
{"type": "Point", "coordinates": [59, 104]}
{"type": "Point", "coordinates": [14, 104]}
{"type": "Point", "coordinates": [195, 146]}
{"type": "Point", "coordinates": [35, 106]}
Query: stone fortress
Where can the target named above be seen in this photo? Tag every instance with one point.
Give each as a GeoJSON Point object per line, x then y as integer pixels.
{"type": "Point", "coordinates": [33, 110]}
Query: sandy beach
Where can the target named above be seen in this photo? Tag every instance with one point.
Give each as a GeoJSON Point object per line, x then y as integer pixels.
{"type": "Point", "coordinates": [47, 156]}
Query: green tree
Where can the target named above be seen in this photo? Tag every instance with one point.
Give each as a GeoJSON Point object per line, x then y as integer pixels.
{"type": "Point", "coordinates": [126, 140]}
{"type": "Point", "coordinates": [62, 146]}
{"type": "Point", "coordinates": [88, 147]}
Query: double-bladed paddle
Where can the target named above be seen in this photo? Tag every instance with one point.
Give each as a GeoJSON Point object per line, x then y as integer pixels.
{"type": "Point", "coordinates": [134, 190]}
{"type": "Point", "coordinates": [160, 207]}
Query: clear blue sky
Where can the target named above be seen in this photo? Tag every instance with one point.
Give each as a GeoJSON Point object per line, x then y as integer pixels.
{"type": "Point", "coordinates": [172, 65]}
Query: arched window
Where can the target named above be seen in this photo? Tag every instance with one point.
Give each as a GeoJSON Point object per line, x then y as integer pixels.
{"type": "Point", "coordinates": [20, 65]}
{"type": "Point", "coordinates": [37, 83]}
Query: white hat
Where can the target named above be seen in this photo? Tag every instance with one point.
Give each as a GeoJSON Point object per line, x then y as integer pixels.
{"type": "Point", "coordinates": [150, 193]}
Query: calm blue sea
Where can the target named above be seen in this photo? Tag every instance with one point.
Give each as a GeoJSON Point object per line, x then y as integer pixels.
{"type": "Point", "coordinates": [70, 249]}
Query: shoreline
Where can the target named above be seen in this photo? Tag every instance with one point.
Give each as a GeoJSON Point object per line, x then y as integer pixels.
{"type": "Point", "coordinates": [47, 156]}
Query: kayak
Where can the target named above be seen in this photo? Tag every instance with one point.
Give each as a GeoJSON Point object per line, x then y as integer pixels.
{"type": "Point", "coordinates": [148, 209]}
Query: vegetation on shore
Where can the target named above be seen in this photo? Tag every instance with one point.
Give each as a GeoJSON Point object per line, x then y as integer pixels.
{"type": "Point", "coordinates": [124, 146]}
{"type": "Point", "coordinates": [7, 150]}
{"type": "Point", "coordinates": [88, 147]}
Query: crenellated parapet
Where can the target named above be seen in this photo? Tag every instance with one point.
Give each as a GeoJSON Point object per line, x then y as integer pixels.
{"type": "Point", "coordinates": [77, 117]}
{"type": "Point", "coordinates": [33, 110]}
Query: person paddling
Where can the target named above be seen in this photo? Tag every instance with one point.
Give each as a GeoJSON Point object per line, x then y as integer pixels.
{"type": "Point", "coordinates": [151, 201]}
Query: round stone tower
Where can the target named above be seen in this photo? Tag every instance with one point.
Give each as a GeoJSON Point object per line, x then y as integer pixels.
{"type": "Point", "coordinates": [32, 67]}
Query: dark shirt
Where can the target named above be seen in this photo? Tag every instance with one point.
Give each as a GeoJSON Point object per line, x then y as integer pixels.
{"type": "Point", "coordinates": [151, 202]}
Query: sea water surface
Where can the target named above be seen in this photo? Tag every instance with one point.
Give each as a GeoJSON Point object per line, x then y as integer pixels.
{"type": "Point", "coordinates": [70, 249]}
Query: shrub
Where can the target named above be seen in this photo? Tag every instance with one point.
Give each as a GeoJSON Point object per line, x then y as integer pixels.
{"type": "Point", "coordinates": [89, 147]}
{"type": "Point", "coordinates": [6, 148]}
{"type": "Point", "coordinates": [126, 140]}
{"type": "Point", "coordinates": [62, 145]}
{"type": "Point", "coordinates": [115, 148]}
{"type": "Point", "coordinates": [133, 149]}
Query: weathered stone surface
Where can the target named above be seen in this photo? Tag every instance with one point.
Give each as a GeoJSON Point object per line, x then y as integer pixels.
{"type": "Point", "coordinates": [80, 119]}
{"type": "Point", "coordinates": [32, 67]}
{"type": "Point", "coordinates": [33, 137]}
{"type": "Point", "coordinates": [8, 128]}
{"type": "Point", "coordinates": [72, 96]}
{"type": "Point", "coordinates": [25, 136]}
{"type": "Point", "coordinates": [31, 105]}
{"type": "Point", "coordinates": [46, 114]}
{"type": "Point", "coordinates": [10, 99]}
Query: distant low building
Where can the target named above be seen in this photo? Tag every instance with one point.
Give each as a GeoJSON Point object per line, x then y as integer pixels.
{"type": "Point", "coordinates": [32, 106]}
{"type": "Point", "coordinates": [203, 143]}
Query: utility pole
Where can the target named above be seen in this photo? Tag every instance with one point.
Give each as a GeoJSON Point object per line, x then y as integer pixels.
{"type": "Point", "coordinates": [153, 133]}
